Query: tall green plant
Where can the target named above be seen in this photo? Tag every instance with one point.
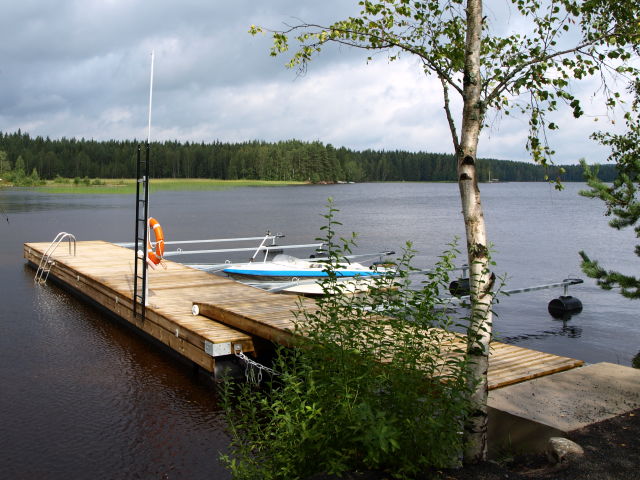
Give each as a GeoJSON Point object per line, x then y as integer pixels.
{"type": "Point", "coordinates": [375, 381]}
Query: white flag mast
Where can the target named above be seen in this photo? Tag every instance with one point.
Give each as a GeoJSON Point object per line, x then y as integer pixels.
{"type": "Point", "coordinates": [146, 185]}
{"type": "Point", "coordinates": [150, 97]}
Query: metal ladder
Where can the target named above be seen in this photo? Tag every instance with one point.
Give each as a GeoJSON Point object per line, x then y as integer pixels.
{"type": "Point", "coordinates": [142, 233]}
{"type": "Point", "coordinates": [46, 262]}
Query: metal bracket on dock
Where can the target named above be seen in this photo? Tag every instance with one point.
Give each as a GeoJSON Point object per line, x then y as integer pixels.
{"type": "Point", "coordinates": [252, 369]}
{"type": "Point", "coordinates": [217, 349]}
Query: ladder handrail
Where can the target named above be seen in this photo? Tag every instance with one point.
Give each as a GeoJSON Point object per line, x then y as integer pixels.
{"type": "Point", "coordinates": [45, 261]}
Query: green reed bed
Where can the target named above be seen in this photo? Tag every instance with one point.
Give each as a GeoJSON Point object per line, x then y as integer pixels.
{"type": "Point", "coordinates": [128, 186]}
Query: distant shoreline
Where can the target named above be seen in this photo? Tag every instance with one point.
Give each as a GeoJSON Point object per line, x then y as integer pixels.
{"type": "Point", "coordinates": [123, 186]}
{"type": "Point", "coordinates": [128, 185]}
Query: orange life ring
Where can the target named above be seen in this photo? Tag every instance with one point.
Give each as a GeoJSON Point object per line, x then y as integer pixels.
{"type": "Point", "coordinates": [155, 256]}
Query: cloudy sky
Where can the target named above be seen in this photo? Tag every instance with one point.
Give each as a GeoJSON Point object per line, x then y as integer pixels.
{"type": "Point", "coordinates": [80, 68]}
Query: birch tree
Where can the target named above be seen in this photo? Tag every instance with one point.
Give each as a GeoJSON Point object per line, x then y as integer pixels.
{"type": "Point", "coordinates": [493, 70]}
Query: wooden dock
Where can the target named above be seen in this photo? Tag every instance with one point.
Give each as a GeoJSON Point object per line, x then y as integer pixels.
{"type": "Point", "coordinates": [103, 272]}
{"type": "Point", "coordinates": [229, 314]}
{"type": "Point", "coordinates": [508, 364]}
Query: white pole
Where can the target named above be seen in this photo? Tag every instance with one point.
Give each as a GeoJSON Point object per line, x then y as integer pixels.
{"type": "Point", "coordinates": [146, 249]}
{"type": "Point", "coordinates": [150, 96]}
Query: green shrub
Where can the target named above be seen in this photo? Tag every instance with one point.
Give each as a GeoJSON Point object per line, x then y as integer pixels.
{"type": "Point", "coordinates": [372, 383]}
{"type": "Point", "coordinates": [34, 178]}
{"type": "Point", "coordinates": [10, 176]}
{"type": "Point", "coordinates": [62, 180]}
{"type": "Point", "coordinates": [20, 179]}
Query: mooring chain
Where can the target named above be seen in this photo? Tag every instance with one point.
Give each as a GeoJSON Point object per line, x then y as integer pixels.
{"type": "Point", "coordinates": [251, 367]}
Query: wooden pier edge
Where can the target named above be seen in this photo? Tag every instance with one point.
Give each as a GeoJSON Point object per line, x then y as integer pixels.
{"type": "Point", "coordinates": [159, 325]}
{"type": "Point", "coordinates": [230, 316]}
{"type": "Point", "coordinates": [245, 324]}
{"type": "Point", "coordinates": [508, 364]}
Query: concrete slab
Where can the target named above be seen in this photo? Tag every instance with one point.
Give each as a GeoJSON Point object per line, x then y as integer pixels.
{"type": "Point", "coordinates": [573, 399]}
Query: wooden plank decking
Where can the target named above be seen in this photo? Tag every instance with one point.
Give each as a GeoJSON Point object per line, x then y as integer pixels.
{"type": "Point", "coordinates": [104, 273]}
{"type": "Point", "coordinates": [230, 313]}
{"type": "Point", "coordinates": [508, 364]}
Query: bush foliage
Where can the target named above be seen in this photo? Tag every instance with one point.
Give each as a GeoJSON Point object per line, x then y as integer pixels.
{"type": "Point", "coordinates": [372, 382]}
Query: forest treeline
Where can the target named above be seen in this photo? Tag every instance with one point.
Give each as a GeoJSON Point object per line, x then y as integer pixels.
{"type": "Point", "coordinates": [289, 160]}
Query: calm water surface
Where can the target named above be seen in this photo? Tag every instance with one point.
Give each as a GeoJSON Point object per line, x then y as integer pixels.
{"type": "Point", "coordinates": [83, 397]}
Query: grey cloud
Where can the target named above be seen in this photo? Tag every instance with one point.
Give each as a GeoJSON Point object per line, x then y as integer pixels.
{"type": "Point", "coordinates": [81, 68]}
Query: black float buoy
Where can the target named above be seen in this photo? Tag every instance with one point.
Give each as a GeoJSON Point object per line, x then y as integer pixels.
{"type": "Point", "coordinates": [460, 287]}
{"type": "Point", "coordinates": [564, 305]}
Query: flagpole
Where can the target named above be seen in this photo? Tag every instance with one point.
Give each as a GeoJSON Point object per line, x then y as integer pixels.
{"type": "Point", "coordinates": [150, 97]}
{"type": "Point", "coordinates": [146, 249]}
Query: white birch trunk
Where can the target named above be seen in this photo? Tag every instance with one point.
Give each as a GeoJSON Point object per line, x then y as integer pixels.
{"type": "Point", "coordinates": [479, 330]}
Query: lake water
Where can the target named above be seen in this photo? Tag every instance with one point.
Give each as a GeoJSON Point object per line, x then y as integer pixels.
{"type": "Point", "coordinates": [83, 397]}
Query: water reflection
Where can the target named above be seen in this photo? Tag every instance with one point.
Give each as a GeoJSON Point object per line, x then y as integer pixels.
{"type": "Point", "coordinates": [93, 399]}
{"type": "Point", "coordinates": [566, 330]}
{"type": "Point", "coordinates": [18, 200]}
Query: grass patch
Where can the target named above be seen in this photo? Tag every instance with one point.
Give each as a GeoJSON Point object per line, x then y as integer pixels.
{"type": "Point", "coordinates": [128, 186]}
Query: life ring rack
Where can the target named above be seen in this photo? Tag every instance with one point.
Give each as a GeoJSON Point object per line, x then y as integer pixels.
{"type": "Point", "coordinates": [155, 255]}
